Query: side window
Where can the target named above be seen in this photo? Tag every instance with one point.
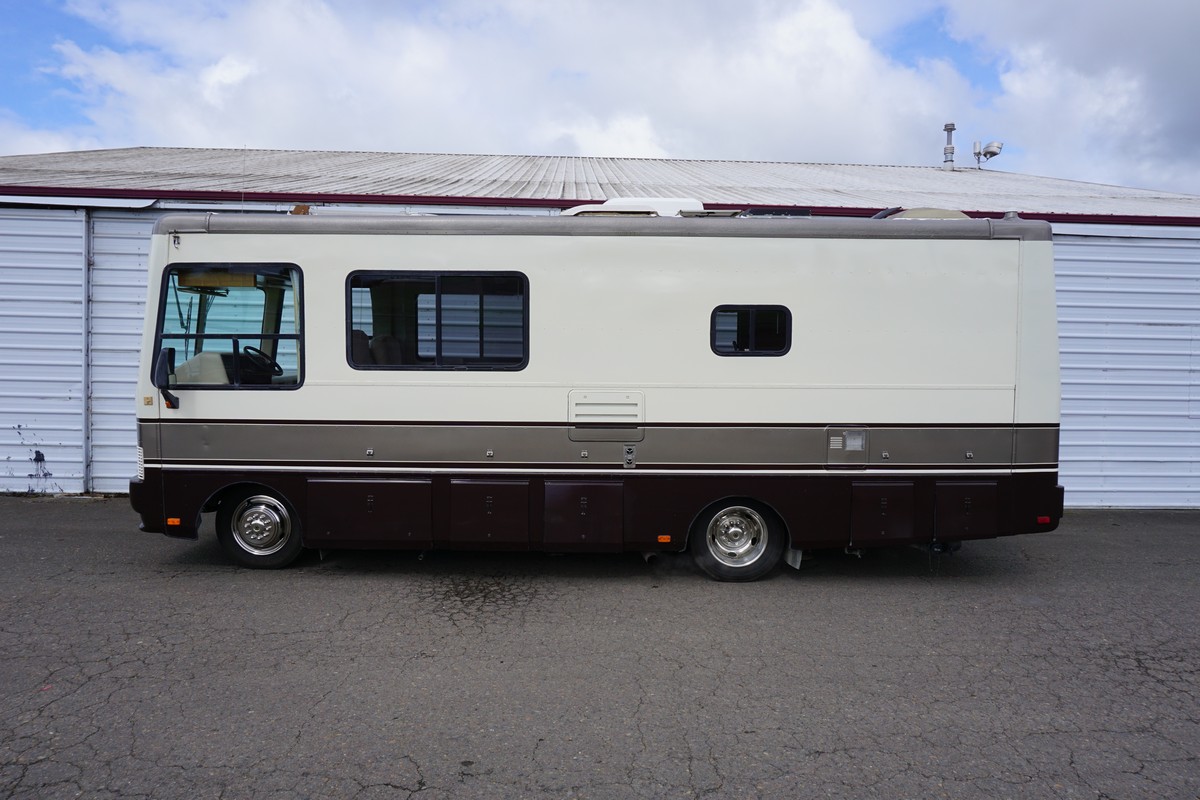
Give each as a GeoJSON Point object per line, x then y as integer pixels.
{"type": "Point", "coordinates": [750, 330]}
{"type": "Point", "coordinates": [232, 325]}
{"type": "Point", "coordinates": [433, 320]}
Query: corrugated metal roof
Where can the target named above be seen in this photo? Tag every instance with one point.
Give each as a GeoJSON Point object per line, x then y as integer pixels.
{"type": "Point", "coordinates": [563, 180]}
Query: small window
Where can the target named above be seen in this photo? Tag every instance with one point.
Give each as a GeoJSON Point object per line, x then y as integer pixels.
{"type": "Point", "coordinates": [751, 330]}
{"type": "Point", "coordinates": [232, 325]}
{"type": "Point", "coordinates": [428, 320]}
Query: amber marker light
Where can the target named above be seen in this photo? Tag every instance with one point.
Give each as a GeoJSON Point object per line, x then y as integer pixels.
{"type": "Point", "coordinates": [664, 540]}
{"type": "Point", "coordinates": [173, 521]}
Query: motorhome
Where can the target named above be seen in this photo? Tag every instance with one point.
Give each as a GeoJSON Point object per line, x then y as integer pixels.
{"type": "Point", "coordinates": [620, 378]}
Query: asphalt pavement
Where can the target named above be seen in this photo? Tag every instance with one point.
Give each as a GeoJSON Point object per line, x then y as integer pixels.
{"type": "Point", "coordinates": [1061, 665]}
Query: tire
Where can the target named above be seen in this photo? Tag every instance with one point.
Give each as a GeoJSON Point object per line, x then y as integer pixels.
{"type": "Point", "coordinates": [737, 540]}
{"type": "Point", "coordinates": [258, 529]}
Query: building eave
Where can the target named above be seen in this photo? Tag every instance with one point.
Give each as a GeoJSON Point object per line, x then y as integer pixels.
{"type": "Point", "coordinates": [143, 198]}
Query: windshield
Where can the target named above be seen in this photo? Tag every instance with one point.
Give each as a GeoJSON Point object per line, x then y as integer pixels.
{"type": "Point", "coordinates": [232, 324]}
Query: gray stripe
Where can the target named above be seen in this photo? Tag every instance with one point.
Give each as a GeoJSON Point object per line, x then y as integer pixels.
{"type": "Point", "coordinates": [594, 473]}
{"type": "Point", "coordinates": [1034, 445]}
{"type": "Point", "coordinates": [801, 228]}
{"type": "Point", "coordinates": [559, 446]}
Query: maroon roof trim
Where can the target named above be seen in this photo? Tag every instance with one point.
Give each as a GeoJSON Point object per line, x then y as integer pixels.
{"type": "Point", "coordinates": [313, 198]}
{"type": "Point", "coordinates": [310, 198]}
{"type": "Point", "coordinates": [1107, 219]}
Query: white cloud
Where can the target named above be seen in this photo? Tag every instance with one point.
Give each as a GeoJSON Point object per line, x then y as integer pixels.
{"type": "Point", "coordinates": [621, 136]}
{"type": "Point", "coordinates": [807, 86]}
{"type": "Point", "coordinates": [1099, 92]}
{"type": "Point", "coordinates": [21, 138]}
{"type": "Point", "coordinates": [219, 79]}
{"type": "Point", "coordinates": [1067, 117]}
{"type": "Point", "coordinates": [1084, 91]}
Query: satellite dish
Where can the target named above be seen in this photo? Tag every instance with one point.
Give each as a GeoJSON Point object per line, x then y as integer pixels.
{"type": "Point", "coordinates": [987, 152]}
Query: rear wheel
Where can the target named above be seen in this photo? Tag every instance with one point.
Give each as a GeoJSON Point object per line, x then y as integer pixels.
{"type": "Point", "coordinates": [257, 529]}
{"type": "Point", "coordinates": [737, 541]}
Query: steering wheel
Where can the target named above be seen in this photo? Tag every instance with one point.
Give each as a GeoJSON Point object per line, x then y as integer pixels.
{"type": "Point", "coordinates": [262, 360]}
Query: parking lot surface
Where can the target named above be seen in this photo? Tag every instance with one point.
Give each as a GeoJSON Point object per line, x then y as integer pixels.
{"type": "Point", "coordinates": [1064, 665]}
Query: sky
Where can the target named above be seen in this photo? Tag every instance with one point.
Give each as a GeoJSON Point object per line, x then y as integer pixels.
{"type": "Point", "coordinates": [1093, 91]}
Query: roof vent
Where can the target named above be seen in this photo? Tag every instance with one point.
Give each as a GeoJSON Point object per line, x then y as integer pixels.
{"type": "Point", "coordinates": [928, 213]}
{"type": "Point", "coordinates": [639, 206]}
{"type": "Point", "coordinates": [948, 150]}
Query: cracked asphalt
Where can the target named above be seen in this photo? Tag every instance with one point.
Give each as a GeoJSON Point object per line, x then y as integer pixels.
{"type": "Point", "coordinates": [1063, 665]}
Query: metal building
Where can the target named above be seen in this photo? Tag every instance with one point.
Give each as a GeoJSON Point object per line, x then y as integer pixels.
{"type": "Point", "coordinates": [74, 234]}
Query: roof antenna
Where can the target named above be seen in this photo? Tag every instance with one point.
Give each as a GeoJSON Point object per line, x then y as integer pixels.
{"type": "Point", "coordinates": [948, 150]}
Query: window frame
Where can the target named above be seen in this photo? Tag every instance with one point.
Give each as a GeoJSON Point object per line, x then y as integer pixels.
{"type": "Point", "coordinates": [753, 309]}
{"type": "Point", "coordinates": [235, 266]}
{"type": "Point", "coordinates": [435, 277]}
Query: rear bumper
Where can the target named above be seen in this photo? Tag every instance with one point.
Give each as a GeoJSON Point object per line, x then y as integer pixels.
{"type": "Point", "coordinates": [1060, 494]}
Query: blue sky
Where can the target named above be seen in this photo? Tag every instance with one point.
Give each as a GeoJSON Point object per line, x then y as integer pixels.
{"type": "Point", "coordinates": [1074, 89]}
{"type": "Point", "coordinates": [927, 37]}
{"type": "Point", "coordinates": [29, 30]}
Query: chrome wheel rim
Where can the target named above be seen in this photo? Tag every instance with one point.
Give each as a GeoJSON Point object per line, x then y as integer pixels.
{"type": "Point", "coordinates": [261, 525]}
{"type": "Point", "coordinates": [737, 537]}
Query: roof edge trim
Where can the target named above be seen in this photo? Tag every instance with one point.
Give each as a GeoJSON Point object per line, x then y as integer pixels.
{"type": "Point", "coordinates": [105, 200]}
{"type": "Point", "coordinates": [316, 198]}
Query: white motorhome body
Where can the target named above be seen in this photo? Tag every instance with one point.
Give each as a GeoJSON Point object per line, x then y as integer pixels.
{"type": "Point", "coordinates": [599, 383]}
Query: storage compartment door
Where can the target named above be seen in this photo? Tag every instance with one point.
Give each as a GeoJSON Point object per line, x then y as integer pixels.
{"type": "Point", "coordinates": [369, 513]}
{"type": "Point", "coordinates": [881, 512]}
{"type": "Point", "coordinates": [583, 515]}
{"type": "Point", "coordinates": [966, 510]}
{"type": "Point", "coordinates": [489, 514]}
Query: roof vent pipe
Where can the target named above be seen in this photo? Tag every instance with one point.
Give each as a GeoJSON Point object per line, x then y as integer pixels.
{"type": "Point", "coordinates": [948, 151]}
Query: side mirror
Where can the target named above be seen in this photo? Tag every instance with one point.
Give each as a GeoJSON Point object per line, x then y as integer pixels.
{"type": "Point", "coordinates": [164, 368]}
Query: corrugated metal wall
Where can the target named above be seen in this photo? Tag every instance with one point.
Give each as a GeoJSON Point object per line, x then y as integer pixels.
{"type": "Point", "coordinates": [1129, 333]}
{"type": "Point", "coordinates": [120, 247]}
{"type": "Point", "coordinates": [43, 280]}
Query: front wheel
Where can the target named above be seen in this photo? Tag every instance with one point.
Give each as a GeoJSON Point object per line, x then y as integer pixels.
{"type": "Point", "coordinates": [737, 541]}
{"type": "Point", "coordinates": [257, 529]}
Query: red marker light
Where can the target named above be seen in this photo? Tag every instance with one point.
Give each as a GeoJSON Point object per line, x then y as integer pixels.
{"type": "Point", "coordinates": [1043, 520]}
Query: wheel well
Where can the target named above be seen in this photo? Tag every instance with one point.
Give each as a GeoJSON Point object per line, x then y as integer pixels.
{"type": "Point", "coordinates": [739, 500]}
{"type": "Point", "coordinates": [216, 498]}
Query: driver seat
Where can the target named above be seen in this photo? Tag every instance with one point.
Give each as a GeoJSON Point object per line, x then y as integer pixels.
{"type": "Point", "coordinates": [205, 368]}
